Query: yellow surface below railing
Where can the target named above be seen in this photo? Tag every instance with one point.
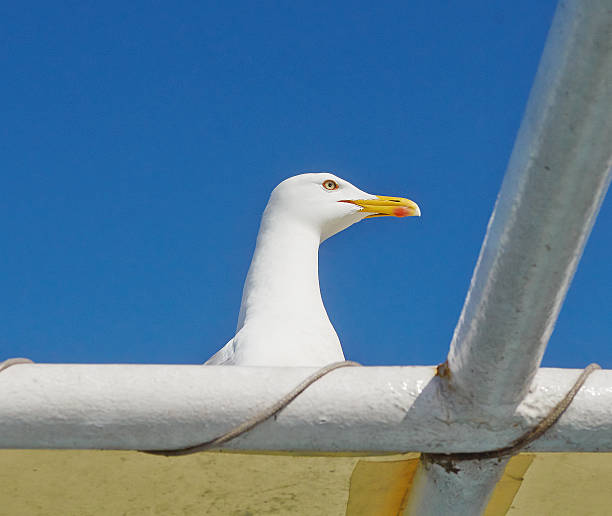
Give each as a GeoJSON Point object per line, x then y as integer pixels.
{"type": "Point", "coordinates": [85, 482]}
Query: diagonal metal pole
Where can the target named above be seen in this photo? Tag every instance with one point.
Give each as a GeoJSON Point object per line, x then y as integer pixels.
{"type": "Point", "coordinates": [556, 180]}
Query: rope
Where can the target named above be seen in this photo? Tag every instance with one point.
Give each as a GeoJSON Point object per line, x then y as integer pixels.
{"type": "Point", "coordinates": [528, 437]}
{"type": "Point", "coordinates": [14, 361]}
{"type": "Point", "coordinates": [260, 417]}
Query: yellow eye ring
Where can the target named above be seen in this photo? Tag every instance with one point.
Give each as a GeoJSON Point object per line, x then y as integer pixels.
{"type": "Point", "coordinates": [330, 184]}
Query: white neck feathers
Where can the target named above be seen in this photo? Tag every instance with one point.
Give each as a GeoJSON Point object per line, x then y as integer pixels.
{"type": "Point", "coordinates": [283, 279]}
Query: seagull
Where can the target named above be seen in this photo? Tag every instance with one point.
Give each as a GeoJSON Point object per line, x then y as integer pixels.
{"type": "Point", "coordinates": [282, 320]}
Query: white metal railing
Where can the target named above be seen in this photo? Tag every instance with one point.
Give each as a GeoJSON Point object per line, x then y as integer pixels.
{"type": "Point", "coordinates": [365, 409]}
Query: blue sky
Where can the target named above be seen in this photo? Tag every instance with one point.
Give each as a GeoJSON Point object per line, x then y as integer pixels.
{"type": "Point", "coordinates": [140, 142]}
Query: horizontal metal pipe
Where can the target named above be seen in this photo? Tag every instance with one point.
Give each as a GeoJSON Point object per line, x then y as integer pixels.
{"type": "Point", "coordinates": [363, 409]}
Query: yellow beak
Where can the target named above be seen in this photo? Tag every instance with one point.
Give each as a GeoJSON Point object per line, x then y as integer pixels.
{"type": "Point", "coordinates": [384, 206]}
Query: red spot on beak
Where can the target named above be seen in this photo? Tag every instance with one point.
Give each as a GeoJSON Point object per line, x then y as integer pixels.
{"type": "Point", "coordinates": [402, 211]}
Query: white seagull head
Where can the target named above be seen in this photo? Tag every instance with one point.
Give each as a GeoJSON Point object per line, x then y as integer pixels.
{"type": "Point", "coordinates": [330, 204]}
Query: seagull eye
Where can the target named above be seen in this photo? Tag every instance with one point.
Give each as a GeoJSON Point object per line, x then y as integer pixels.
{"type": "Point", "coordinates": [330, 184]}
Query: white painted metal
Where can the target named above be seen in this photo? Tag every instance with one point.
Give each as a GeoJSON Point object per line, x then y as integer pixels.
{"type": "Point", "coordinates": [556, 179]}
{"type": "Point", "coordinates": [368, 409]}
{"type": "Point", "coordinates": [448, 490]}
